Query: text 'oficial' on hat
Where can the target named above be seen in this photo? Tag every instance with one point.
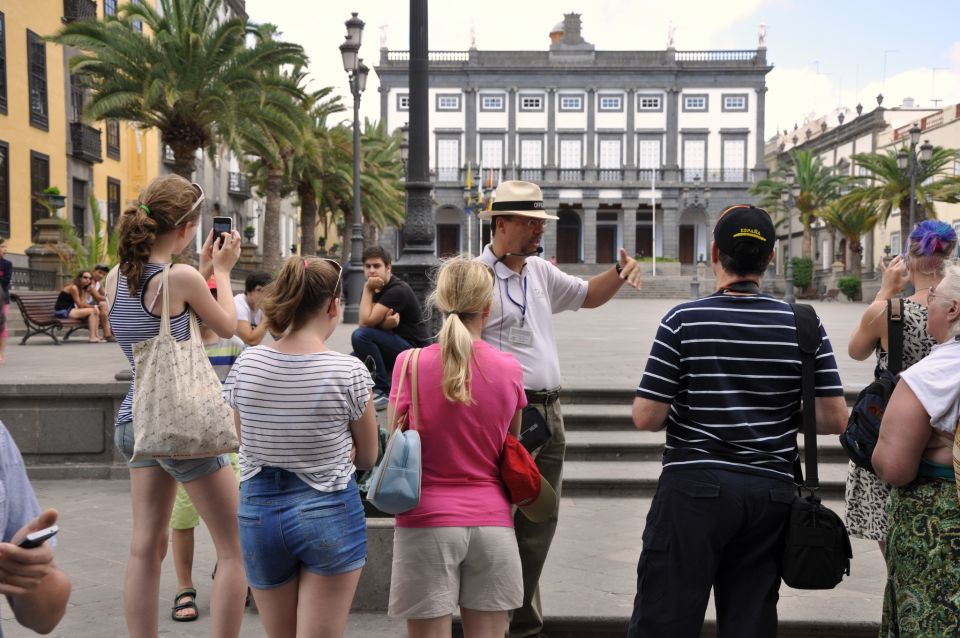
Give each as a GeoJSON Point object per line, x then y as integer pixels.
{"type": "Point", "coordinates": [514, 197]}
{"type": "Point", "coordinates": [744, 224]}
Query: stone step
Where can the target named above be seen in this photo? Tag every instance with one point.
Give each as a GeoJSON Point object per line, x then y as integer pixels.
{"type": "Point", "coordinates": [626, 479]}
{"type": "Point", "coordinates": [629, 444]}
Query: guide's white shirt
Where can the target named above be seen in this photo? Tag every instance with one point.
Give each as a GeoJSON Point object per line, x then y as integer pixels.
{"type": "Point", "coordinates": [935, 380]}
{"type": "Point", "coordinates": [529, 335]}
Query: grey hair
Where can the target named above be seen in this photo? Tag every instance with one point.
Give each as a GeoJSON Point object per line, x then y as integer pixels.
{"type": "Point", "coordinates": [949, 288]}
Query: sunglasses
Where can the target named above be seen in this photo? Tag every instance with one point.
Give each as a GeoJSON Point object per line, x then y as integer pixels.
{"type": "Point", "coordinates": [196, 204]}
{"type": "Point", "coordinates": [336, 264]}
{"type": "Point", "coordinates": [530, 221]}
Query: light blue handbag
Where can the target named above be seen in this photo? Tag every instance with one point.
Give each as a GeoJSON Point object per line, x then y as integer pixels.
{"type": "Point", "coordinates": [395, 485]}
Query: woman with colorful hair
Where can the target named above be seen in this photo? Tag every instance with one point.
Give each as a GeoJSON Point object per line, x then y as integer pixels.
{"type": "Point", "coordinates": [931, 244]}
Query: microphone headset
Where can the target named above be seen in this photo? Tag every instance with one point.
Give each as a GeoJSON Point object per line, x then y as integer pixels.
{"type": "Point", "coordinates": [535, 253]}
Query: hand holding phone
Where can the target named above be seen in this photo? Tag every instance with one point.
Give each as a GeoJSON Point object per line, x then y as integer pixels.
{"type": "Point", "coordinates": [36, 539]}
{"type": "Point", "coordinates": [221, 225]}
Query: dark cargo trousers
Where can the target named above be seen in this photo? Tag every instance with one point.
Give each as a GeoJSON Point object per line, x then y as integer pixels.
{"type": "Point", "coordinates": [534, 539]}
{"type": "Point", "coordinates": [711, 528]}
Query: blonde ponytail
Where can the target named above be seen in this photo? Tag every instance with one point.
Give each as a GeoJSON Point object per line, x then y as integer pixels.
{"type": "Point", "coordinates": [464, 289]}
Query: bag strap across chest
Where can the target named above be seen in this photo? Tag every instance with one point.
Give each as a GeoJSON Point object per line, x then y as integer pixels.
{"type": "Point", "coordinates": [808, 338]}
{"type": "Point", "coordinates": [895, 335]}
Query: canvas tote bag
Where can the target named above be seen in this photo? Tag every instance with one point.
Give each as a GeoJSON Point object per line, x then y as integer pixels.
{"type": "Point", "coordinates": [178, 409]}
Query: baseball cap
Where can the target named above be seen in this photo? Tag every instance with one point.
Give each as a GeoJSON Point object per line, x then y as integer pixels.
{"type": "Point", "coordinates": [744, 225]}
{"type": "Point", "coordinates": [528, 490]}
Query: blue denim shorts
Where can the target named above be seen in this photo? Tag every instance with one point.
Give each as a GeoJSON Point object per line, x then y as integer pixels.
{"type": "Point", "coordinates": [183, 470]}
{"type": "Point", "coordinates": [286, 525]}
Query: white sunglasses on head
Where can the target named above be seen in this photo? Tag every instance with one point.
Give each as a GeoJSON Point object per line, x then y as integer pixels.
{"type": "Point", "coordinates": [196, 204]}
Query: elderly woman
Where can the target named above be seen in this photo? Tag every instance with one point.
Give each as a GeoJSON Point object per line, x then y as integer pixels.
{"type": "Point", "coordinates": [914, 454]}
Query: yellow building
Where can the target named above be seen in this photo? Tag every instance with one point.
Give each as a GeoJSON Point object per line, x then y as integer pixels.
{"type": "Point", "coordinates": [44, 141]}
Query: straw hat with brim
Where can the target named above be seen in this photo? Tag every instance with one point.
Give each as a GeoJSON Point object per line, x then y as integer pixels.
{"type": "Point", "coordinates": [527, 489]}
{"type": "Point", "coordinates": [517, 198]}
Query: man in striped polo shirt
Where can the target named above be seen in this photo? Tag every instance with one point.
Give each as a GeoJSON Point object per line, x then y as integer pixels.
{"type": "Point", "coordinates": [723, 377]}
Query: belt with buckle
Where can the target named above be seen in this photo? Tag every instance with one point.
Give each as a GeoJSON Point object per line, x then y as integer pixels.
{"type": "Point", "coordinates": [543, 397]}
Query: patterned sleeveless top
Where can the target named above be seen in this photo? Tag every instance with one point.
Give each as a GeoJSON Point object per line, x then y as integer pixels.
{"type": "Point", "coordinates": [132, 323]}
{"type": "Point", "coordinates": [916, 342]}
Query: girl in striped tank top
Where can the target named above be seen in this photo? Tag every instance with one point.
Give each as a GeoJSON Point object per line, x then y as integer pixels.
{"type": "Point", "coordinates": [161, 224]}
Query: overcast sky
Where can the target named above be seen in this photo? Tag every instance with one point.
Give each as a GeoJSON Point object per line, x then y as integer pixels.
{"type": "Point", "coordinates": [825, 54]}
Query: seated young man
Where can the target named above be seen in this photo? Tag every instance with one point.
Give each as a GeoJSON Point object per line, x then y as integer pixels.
{"type": "Point", "coordinates": [250, 324]}
{"type": "Point", "coordinates": [391, 320]}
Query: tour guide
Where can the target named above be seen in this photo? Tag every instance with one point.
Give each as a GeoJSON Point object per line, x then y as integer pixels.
{"type": "Point", "coordinates": [528, 292]}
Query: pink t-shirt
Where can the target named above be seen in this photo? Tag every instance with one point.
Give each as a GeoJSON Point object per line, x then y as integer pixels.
{"type": "Point", "coordinates": [461, 444]}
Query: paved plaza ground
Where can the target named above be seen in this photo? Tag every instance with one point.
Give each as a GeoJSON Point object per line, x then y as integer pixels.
{"type": "Point", "coordinates": [602, 348]}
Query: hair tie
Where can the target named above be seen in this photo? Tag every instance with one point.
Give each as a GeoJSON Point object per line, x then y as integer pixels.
{"type": "Point", "coordinates": [145, 209]}
{"type": "Point", "coordinates": [305, 264]}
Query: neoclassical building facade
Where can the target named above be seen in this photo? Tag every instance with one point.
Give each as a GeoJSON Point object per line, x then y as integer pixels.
{"type": "Point", "coordinates": [640, 149]}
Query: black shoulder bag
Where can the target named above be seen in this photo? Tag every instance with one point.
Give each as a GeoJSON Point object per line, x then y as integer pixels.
{"type": "Point", "coordinates": [817, 552]}
{"type": "Point", "coordinates": [863, 427]}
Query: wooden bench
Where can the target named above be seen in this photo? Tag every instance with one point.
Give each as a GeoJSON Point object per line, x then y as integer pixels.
{"type": "Point", "coordinates": [36, 307]}
{"type": "Point", "coordinates": [831, 295]}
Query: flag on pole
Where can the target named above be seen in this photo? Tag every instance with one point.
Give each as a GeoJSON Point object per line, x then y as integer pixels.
{"type": "Point", "coordinates": [469, 187]}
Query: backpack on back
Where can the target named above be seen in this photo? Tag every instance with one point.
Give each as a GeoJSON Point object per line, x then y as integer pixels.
{"type": "Point", "coordinates": [863, 427]}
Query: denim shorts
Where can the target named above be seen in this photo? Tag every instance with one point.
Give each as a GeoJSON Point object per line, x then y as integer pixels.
{"type": "Point", "coordinates": [286, 525]}
{"type": "Point", "coordinates": [183, 470]}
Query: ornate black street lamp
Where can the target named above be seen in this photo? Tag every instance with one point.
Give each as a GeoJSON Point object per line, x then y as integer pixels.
{"type": "Point", "coordinates": [357, 72]}
{"type": "Point", "coordinates": [909, 162]}
{"type": "Point", "coordinates": [696, 203]}
{"type": "Point", "coordinates": [789, 196]}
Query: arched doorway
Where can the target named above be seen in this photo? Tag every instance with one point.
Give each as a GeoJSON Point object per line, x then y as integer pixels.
{"type": "Point", "coordinates": [449, 220]}
{"type": "Point", "coordinates": [569, 233]}
{"type": "Point", "coordinates": [692, 236]}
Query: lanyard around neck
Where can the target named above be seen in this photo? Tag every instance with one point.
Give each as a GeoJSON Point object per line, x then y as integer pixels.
{"type": "Point", "coordinates": [521, 306]}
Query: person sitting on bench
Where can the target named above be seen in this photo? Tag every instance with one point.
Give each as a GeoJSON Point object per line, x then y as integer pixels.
{"type": "Point", "coordinates": [72, 304]}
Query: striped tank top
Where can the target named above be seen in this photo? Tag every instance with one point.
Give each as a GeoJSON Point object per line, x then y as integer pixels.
{"type": "Point", "coordinates": [132, 323]}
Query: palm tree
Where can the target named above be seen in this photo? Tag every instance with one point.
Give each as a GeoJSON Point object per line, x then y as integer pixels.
{"type": "Point", "coordinates": [852, 218]}
{"type": "Point", "coordinates": [187, 74]}
{"type": "Point", "coordinates": [819, 185]}
{"type": "Point", "coordinates": [886, 187]}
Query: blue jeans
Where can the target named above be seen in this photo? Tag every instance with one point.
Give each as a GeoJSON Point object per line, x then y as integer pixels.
{"type": "Point", "coordinates": [384, 347]}
{"type": "Point", "coordinates": [286, 525]}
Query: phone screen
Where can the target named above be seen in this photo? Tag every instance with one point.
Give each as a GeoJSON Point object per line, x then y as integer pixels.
{"type": "Point", "coordinates": [221, 225]}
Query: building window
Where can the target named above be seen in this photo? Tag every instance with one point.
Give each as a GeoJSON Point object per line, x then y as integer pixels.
{"type": "Point", "coordinates": [113, 139]}
{"type": "Point", "coordinates": [571, 102]}
{"type": "Point", "coordinates": [448, 102]}
{"type": "Point", "coordinates": [648, 157]}
{"type": "Point", "coordinates": [3, 64]}
{"type": "Point", "coordinates": [694, 102]}
{"type": "Point", "coordinates": [137, 24]}
{"type": "Point", "coordinates": [448, 160]}
{"type": "Point", "coordinates": [956, 228]}
{"type": "Point", "coordinates": [611, 102]}
{"type": "Point", "coordinates": [80, 207]}
{"type": "Point", "coordinates": [649, 102]}
{"type": "Point", "coordinates": [956, 167]}
{"type": "Point", "coordinates": [4, 190]}
{"type": "Point", "coordinates": [571, 159]}
{"type": "Point", "coordinates": [491, 153]}
{"type": "Point", "coordinates": [491, 103]}
{"type": "Point", "coordinates": [895, 244]}
{"type": "Point", "coordinates": [37, 72]}
{"type": "Point", "coordinates": [734, 160]}
{"type": "Point", "coordinates": [531, 160]}
{"type": "Point", "coordinates": [76, 99]}
{"type": "Point", "coordinates": [109, 7]}
{"type": "Point", "coordinates": [611, 161]}
{"type": "Point", "coordinates": [39, 180]}
{"type": "Point", "coordinates": [403, 101]}
{"type": "Point", "coordinates": [694, 159]}
{"type": "Point", "coordinates": [735, 102]}
{"type": "Point", "coordinates": [531, 102]}
{"type": "Point", "coordinates": [113, 204]}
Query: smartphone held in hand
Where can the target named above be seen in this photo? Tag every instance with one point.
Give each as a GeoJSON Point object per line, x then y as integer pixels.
{"type": "Point", "coordinates": [36, 539]}
{"type": "Point", "coordinates": [221, 225]}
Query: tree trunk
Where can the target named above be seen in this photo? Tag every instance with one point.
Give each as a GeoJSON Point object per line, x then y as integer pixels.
{"type": "Point", "coordinates": [308, 219]}
{"type": "Point", "coordinates": [806, 247]}
{"type": "Point", "coordinates": [184, 161]}
{"type": "Point", "coordinates": [904, 221]}
{"type": "Point", "coordinates": [856, 252]}
{"type": "Point", "coordinates": [271, 221]}
{"type": "Point", "coordinates": [371, 234]}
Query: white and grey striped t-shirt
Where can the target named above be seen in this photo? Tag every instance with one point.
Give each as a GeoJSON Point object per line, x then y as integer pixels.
{"type": "Point", "coordinates": [295, 413]}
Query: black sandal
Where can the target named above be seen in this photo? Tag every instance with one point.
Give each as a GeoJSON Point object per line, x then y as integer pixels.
{"type": "Point", "coordinates": [190, 594]}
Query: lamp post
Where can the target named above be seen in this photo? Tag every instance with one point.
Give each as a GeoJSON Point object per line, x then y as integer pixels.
{"type": "Point", "coordinates": [696, 190]}
{"type": "Point", "coordinates": [357, 72]}
{"type": "Point", "coordinates": [908, 162]}
{"type": "Point", "coordinates": [789, 195]}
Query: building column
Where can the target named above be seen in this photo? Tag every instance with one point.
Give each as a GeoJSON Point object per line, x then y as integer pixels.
{"type": "Point", "coordinates": [384, 106]}
{"type": "Point", "coordinates": [631, 124]}
{"type": "Point", "coordinates": [591, 127]}
{"type": "Point", "coordinates": [550, 174]}
{"type": "Point", "coordinates": [549, 241]}
{"type": "Point", "coordinates": [670, 228]}
{"type": "Point", "coordinates": [512, 129]}
{"type": "Point", "coordinates": [760, 168]}
{"type": "Point", "coordinates": [470, 127]}
{"type": "Point", "coordinates": [590, 230]}
{"type": "Point", "coordinates": [673, 135]}
{"type": "Point", "coordinates": [629, 225]}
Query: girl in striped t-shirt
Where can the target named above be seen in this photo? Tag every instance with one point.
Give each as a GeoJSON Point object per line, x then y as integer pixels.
{"type": "Point", "coordinates": [306, 424]}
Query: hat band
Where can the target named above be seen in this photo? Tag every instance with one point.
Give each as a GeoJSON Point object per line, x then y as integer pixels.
{"type": "Point", "coordinates": [521, 205]}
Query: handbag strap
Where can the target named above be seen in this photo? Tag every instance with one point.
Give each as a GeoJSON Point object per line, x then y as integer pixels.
{"type": "Point", "coordinates": [402, 419]}
{"type": "Point", "coordinates": [165, 302]}
{"type": "Point", "coordinates": [808, 338]}
{"type": "Point", "coordinates": [895, 336]}
{"type": "Point", "coordinates": [415, 422]}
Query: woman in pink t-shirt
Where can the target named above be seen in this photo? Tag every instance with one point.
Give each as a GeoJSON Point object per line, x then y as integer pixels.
{"type": "Point", "coordinates": [457, 547]}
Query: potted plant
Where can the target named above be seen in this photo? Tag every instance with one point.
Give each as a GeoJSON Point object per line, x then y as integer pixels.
{"type": "Point", "coordinates": [249, 231]}
{"type": "Point", "coordinates": [52, 197]}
